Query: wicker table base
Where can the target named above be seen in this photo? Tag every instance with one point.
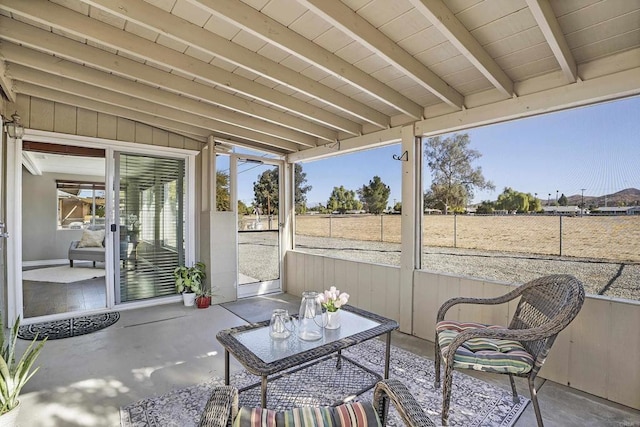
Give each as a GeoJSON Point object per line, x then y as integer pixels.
{"type": "Point", "coordinates": [316, 384]}
{"type": "Point", "coordinates": [254, 349]}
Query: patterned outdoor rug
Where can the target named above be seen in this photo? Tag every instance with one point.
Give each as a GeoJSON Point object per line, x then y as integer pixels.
{"type": "Point", "coordinates": [68, 327]}
{"type": "Point", "coordinates": [474, 402]}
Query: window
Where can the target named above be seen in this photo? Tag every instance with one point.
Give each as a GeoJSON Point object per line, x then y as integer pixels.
{"type": "Point", "coordinates": [565, 187]}
{"type": "Point", "coordinates": [223, 194]}
{"type": "Point", "coordinates": [348, 206]}
{"type": "Point", "coordinates": [80, 204]}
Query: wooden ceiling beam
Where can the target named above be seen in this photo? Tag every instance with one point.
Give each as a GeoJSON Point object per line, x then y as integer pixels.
{"type": "Point", "coordinates": [41, 61]}
{"type": "Point", "coordinates": [344, 18]}
{"type": "Point", "coordinates": [71, 150]}
{"type": "Point", "coordinates": [6, 83]}
{"type": "Point", "coordinates": [54, 88]}
{"type": "Point", "coordinates": [271, 31]}
{"type": "Point", "coordinates": [174, 27]}
{"type": "Point", "coordinates": [548, 23]}
{"type": "Point", "coordinates": [60, 46]}
{"type": "Point", "coordinates": [80, 25]}
{"type": "Point", "coordinates": [446, 22]}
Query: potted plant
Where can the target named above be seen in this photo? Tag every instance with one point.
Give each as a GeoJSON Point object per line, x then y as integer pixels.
{"type": "Point", "coordinates": [13, 376]}
{"type": "Point", "coordinates": [203, 300]}
{"type": "Point", "coordinates": [189, 281]}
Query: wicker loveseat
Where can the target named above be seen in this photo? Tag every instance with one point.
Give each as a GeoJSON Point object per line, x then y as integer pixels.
{"type": "Point", "coordinates": [222, 408]}
{"type": "Point", "coordinates": [545, 307]}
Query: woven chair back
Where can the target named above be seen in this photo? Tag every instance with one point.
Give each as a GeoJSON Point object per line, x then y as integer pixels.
{"type": "Point", "coordinates": [549, 303]}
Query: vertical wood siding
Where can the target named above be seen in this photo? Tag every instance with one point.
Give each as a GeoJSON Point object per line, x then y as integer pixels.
{"type": "Point", "coordinates": [597, 353]}
{"type": "Point", "coordinates": [51, 116]}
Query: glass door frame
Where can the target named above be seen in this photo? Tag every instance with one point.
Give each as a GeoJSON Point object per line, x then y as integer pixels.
{"type": "Point", "coordinates": [269, 286]}
{"type": "Point", "coordinates": [118, 222]}
{"type": "Point", "coordinates": [14, 215]}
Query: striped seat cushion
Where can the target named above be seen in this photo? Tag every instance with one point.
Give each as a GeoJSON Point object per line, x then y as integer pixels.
{"type": "Point", "coordinates": [484, 354]}
{"type": "Point", "coordinates": [347, 415]}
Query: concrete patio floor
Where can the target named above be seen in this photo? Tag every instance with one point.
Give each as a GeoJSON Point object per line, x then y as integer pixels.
{"type": "Point", "coordinates": [84, 380]}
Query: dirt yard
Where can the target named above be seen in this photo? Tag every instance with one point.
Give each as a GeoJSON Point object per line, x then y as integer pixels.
{"type": "Point", "coordinates": [607, 238]}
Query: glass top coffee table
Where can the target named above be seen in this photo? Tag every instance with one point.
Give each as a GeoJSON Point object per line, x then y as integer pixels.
{"type": "Point", "coordinates": [263, 356]}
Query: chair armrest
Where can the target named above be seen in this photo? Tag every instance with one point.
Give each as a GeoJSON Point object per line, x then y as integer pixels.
{"type": "Point", "coordinates": [221, 408]}
{"type": "Point", "coordinates": [408, 408]}
{"type": "Point", "coordinates": [466, 300]}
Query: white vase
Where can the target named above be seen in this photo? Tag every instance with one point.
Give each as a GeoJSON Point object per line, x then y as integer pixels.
{"type": "Point", "coordinates": [332, 319]}
{"type": "Point", "coordinates": [10, 419]}
{"type": "Point", "coordinates": [189, 299]}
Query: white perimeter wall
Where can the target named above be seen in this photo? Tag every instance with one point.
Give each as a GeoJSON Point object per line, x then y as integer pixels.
{"type": "Point", "coordinates": [598, 353]}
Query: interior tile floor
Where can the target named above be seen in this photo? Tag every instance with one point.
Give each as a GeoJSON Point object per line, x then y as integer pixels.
{"type": "Point", "coordinates": [150, 351]}
{"type": "Point", "coordinates": [44, 298]}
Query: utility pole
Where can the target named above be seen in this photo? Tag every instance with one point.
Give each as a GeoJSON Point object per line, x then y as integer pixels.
{"type": "Point", "coordinates": [556, 197]}
{"type": "Point", "coordinates": [582, 207]}
{"type": "Point", "coordinates": [549, 200]}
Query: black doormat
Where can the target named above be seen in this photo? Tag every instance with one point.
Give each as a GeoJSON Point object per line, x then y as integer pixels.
{"type": "Point", "coordinates": [68, 327]}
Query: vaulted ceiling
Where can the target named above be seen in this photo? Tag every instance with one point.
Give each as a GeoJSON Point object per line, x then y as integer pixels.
{"type": "Point", "coordinates": [293, 76]}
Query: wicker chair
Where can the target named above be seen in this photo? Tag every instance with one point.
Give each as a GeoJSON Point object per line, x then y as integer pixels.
{"type": "Point", "coordinates": [222, 406]}
{"type": "Point", "coordinates": [547, 305]}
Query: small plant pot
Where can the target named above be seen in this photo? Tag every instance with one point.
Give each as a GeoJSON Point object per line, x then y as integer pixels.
{"type": "Point", "coordinates": [10, 419]}
{"type": "Point", "coordinates": [203, 302]}
{"type": "Point", "coordinates": [188, 299]}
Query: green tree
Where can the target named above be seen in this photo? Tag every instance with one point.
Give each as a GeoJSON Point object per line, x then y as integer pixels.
{"type": "Point", "coordinates": [512, 200]}
{"type": "Point", "coordinates": [562, 201]}
{"type": "Point", "coordinates": [243, 209]}
{"type": "Point", "coordinates": [266, 196]}
{"type": "Point", "coordinates": [431, 201]}
{"type": "Point", "coordinates": [343, 200]}
{"type": "Point", "coordinates": [454, 178]}
{"type": "Point", "coordinates": [398, 207]}
{"type": "Point", "coordinates": [265, 191]}
{"type": "Point", "coordinates": [535, 204]}
{"type": "Point", "coordinates": [374, 196]}
{"type": "Point", "coordinates": [486, 207]}
{"type": "Point", "coordinates": [301, 190]}
{"type": "Point", "coordinates": [223, 199]}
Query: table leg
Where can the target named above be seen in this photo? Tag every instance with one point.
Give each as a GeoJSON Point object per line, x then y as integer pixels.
{"type": "Point", "coordinates": [387, 356]}
{"type": "Point", "coordinates": [339, 360]}
{"type": "Point", "coordinates": [263, 388]}
{"type": "Point", "coordinates": [226, 367]}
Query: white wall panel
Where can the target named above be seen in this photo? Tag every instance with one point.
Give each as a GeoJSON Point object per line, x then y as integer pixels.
{"type": "Point", "coordinates": [623, 381]}
{"type": "Point", "coordinates": [595, 354]}
{"type": "Point", "coordinates": [56, 117]}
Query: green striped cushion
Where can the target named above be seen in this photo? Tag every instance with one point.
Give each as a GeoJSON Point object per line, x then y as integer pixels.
{"type": "Point", "coordinates": [347, 415]}
{"type": "Point", "coordinates": [484, 354]}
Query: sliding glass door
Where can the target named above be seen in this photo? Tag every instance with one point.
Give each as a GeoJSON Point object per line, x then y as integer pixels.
{"type": "Point", "coordinates": [150, 225]}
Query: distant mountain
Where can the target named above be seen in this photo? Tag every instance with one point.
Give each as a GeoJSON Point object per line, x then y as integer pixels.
{"type": "Point", "coordinates": [626, 197]}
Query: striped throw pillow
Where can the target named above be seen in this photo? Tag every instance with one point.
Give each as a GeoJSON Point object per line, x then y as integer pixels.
{"type": "Point", "coordinates": [347, 415]}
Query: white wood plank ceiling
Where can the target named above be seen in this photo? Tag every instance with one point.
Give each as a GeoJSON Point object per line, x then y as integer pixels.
{"type": "Point", "coordinates": [285, 76]}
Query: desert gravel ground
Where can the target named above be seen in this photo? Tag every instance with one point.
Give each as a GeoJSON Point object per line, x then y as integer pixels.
{"type": "Point", "coordinates": [258, 260]}
{"type": "Point", "coordinates": [600, 277]}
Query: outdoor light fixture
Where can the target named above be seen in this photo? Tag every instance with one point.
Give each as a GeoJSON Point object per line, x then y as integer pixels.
{"type": "Point", "coordinates": [14, 126]}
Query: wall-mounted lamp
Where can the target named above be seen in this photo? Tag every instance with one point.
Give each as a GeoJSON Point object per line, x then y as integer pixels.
{"type": "Point", "coordinates": [14, 126]}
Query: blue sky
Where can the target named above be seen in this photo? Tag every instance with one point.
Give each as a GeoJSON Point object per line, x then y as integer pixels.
{"type": "Point", "coordinates": [596, 148]}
